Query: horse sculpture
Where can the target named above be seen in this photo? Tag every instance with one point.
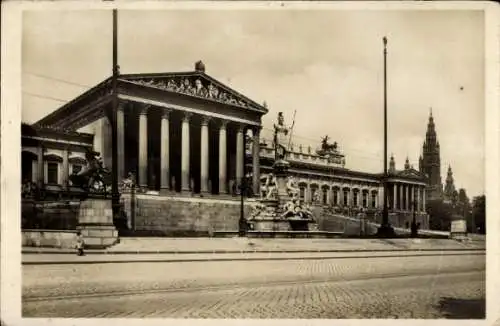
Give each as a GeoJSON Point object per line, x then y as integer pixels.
{"type": "Point", "coordinates": [326, 147]}
{"type": "Point", "coordinates": [94, 178]}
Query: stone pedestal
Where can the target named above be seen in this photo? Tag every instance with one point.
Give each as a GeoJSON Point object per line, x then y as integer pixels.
{"type": "Point", "coordinates": [458, 228]}
{"type": "Point", "coordinates": [95, 222]}
{"type": "Point", "coordinates": [270, 219]}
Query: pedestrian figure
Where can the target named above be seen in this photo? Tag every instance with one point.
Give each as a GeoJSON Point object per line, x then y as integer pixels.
{"type": "Point", "coordinates": [80, 244]}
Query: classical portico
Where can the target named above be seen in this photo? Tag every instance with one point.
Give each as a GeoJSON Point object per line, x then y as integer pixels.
{"type": "Point", "coordinates": [178, 132]}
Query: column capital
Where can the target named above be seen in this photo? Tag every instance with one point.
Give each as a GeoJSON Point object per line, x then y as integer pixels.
{"type": "Point", "coordinates": [256, 129]}
{"type": "Point", "coordinates": [165, 113]}
{"type": "Point", "coordinates": [240, 127]}
{"type": "Point", "coordinates": [121, 105]}
{"type": "Point", "coordinates": [187, 116]}
{"type": "Point", "coordinates": [223, 123]}
{"type": "Point", "coordinates": [143, 109]}
{"type": "Point", "coordinates": [205, 119]}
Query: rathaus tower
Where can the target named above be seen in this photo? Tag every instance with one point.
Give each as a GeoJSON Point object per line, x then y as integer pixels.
{"type": "Point", "coordinates": [430, 162]}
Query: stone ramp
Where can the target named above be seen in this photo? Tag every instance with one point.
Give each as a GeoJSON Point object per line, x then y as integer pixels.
{"type": "Point", "coordinates": [236, 244]}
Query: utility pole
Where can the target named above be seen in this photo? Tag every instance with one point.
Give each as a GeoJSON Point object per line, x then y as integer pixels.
{"type": "Point", "coordinates": [385, 229]}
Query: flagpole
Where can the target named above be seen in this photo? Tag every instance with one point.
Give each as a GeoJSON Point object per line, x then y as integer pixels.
{"type": "Point", "coordinates": [114, 138]}
{"type": "Point", "coordinates": [385, 229]}
{"type": "Point", "coordinates": [291, 129]}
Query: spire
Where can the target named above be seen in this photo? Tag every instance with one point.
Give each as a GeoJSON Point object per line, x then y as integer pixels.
{"type": "Point", "coordinates": [407, 163]}
{"type": "Point", "coordinates": [392, 164]}
{"type": "Point", "coordinates": [449, 187]}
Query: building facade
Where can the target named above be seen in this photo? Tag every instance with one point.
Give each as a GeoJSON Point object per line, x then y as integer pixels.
{"type": "Point", "coordinates": [187, 135]}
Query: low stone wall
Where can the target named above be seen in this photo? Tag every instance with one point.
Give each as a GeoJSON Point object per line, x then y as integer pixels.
{"type": "Point", "coordinates": [159, 215]}
{"type": "Point", "coordinates": [49, 215]}
{"type": "Point", "coordinates": [49, 238]}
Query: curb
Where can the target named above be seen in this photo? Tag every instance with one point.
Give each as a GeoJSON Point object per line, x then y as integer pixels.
{"type": "Point", "coordinates": [171, 252]}
{"type": "Point", "coordinates": [243, 259]}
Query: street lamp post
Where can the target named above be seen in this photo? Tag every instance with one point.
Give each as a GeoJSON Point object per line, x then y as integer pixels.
{"type": "Point", "coordinates": [242, 224]}
{"type": "Point", "coordinates": [414, 231]}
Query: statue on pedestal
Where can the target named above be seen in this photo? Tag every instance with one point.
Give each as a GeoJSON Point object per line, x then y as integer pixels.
{"type": "Point", "coordinates": [269, 188]}
{"type": "Point", "coordinates": [280, 139]}
{"type": "Point", "coordinates": [128, 183]}
{"type": "Point", "coordinates": [94, 177]}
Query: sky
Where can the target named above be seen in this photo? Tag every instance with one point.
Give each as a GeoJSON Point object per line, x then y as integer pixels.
{"type": "Point", "coordinates": [325, 64]}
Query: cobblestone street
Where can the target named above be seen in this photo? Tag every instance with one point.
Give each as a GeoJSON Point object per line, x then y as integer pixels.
{"type": "Point", "coordinates": [395, 287]}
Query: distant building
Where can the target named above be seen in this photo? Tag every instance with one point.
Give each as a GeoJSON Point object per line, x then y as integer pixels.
{"type": "Point", "coordinates": [430, 162]}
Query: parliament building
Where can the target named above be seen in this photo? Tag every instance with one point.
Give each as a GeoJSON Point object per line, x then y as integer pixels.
{"type": "Point", "coordinates": [189, 141]}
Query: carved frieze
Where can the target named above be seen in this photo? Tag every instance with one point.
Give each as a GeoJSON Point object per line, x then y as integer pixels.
{"type": "Point", "coordinates": [196, 87]}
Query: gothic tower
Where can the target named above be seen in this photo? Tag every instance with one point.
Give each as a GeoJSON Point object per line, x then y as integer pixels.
{"type": "Point", "coordinates": [430, 163]}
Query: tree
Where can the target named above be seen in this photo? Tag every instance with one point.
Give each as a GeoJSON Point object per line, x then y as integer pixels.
{"type": "Point", "coordinates": [479, 212]}
{"type": "Point", "coordinates": [465, 209]}
{"type": "Point", "coordinates": [440, 215]}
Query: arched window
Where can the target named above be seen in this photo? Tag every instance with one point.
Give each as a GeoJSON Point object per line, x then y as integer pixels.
{"type": "Point", "coordinates": [335, 196]}
{"type": "Point", "coordinates": [374, 199]}
{"type": "Point", "coordinates": [365, 199]}
{"type": "Point", "coordinates": [346, 197]}
{"type": "Point", "coordinates": [355, 198]}
{"type": "Point", "coordinates": [325, 196]}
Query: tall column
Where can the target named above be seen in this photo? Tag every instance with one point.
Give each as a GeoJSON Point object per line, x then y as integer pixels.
{"type": "Point", "coordinates": [165, 150]}
{"type": "Point", "coordinates": [256, 160]}
{"type": "Point", "coordinates": [419, 206]}
{"type": "Point", "coordinates": [143, 147]}
{"type": "Point", "coordinates": [65, 168]}
{"type": "Point", "coordinates": [204, 155]}
{"type": "Point", "coordinates": [395, 196]}
{"type": "Point", "coordinates": [239, 155]}
{"type": "Point", "coordinates": [120, 125]}
{"type": "Point", "coordinates": [41, 168]}
{"type": "Point", "coordinates": [407, 195]}
{"type": "Point", "coordinates": [185, 153]}
{"type": "Point", "coordinates": [423, 199]}
{"type": "Point", "coordinates": [412, 196]}
{"type": "Point", "coordinates": [401, 202]}
{"type": "Point", "coordinates": [223, 157]}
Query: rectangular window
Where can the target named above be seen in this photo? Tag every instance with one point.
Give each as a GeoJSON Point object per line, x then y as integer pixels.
{"type": "Point", "coordinates": [52, 173]}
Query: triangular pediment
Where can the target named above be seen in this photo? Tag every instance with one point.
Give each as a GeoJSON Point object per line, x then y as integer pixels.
{"type": "Point", "coordinates": [196, 84]}
{"type": "Point", "coordinates": [411, 173]}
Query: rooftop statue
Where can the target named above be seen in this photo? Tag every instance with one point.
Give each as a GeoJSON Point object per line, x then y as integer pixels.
{"type": "Point", "coordinates": [280, 139]}
{"type": "Point", "coordinates": [94, 177]}
{"type": "Point", "coordinates": [326, 147]}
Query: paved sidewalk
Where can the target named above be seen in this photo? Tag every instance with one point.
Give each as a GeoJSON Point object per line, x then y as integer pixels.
{"type": "Point", "coordinates": [44, 259]}
{"type": "Point", "coordinates": [128, 246]}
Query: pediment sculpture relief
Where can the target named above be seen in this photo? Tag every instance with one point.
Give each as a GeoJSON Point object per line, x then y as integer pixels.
{"type": "Point", "coordinates": [186, 86]}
